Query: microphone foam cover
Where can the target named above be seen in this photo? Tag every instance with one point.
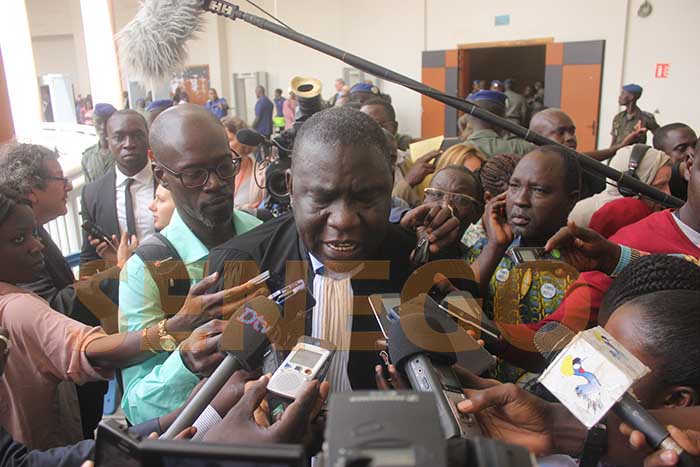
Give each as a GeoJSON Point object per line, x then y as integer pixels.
{"type": "Point", "coordinates": [249, 137]}
{"type": "Point", "coordinates": [250, 330]}
{"type": "Point", "coordinates": [153, 45]}
{"type": "Point", "coordinates": [418, 333]}
{"type": "Point", "coordinates": [551, 338]}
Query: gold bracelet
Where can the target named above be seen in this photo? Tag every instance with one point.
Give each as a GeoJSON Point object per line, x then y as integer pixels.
{"type": "Point", "coordinates": [146, 341]}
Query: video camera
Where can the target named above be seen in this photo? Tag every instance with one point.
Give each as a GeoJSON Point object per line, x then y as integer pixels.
{"type": "Point", "coordinates": [276, 152]}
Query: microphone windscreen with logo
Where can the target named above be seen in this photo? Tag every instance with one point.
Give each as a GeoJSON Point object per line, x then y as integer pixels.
{"type": "Point", "coordinates": [250, 331]}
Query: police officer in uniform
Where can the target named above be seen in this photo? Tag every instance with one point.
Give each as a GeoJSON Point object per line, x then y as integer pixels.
{"type": "Point", "coordinates": [632, 118]}
{"type": "Point", "coordinates": [484, 135]}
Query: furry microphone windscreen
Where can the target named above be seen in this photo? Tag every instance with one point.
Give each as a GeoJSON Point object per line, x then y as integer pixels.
{"type": "Point", "coordinates": [153, 45]}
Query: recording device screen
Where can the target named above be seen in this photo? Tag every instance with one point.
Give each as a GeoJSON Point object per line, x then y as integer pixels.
{"type": "Point", "coordinates": [305, 358]}
{"type": "Point", "coordinates": [397, 457]}
{"type": "Point", "coordinates": [528, 255]}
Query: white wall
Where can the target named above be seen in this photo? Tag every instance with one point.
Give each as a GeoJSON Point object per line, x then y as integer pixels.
{"type": "Point", "coordinates": [669, 35]}
{"type": "Point", "coordinates": [58, 40]}
{"type": "Point", "coordinates": [394, 32]}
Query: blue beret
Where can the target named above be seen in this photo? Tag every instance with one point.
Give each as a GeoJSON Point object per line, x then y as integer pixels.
{"type": "Point", "coordinates": [159, 104]}
{"type": "Point", "coordinates": [496, 81]}
{"type": "Point", "coordinates": [364, 87]}
{"type": "Point", "coordinates": [508, 82]}
{"type": "Point", "coordinates": [103, 110]}
{"type": "Point", "coordinates": [633, 88]}
{"type": "Point", "coordinates": [494, 96]}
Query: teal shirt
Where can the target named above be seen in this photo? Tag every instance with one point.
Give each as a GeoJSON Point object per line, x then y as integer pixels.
{"type": "Point", "coordinates": [162, 383]}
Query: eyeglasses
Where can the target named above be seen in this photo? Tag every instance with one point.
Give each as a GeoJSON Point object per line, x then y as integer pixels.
{"type": "Point", "coordinates": [61, 179]}
{"type": "Point", "coordinates": [196, 177]}
{"type": "Point", "coordinates": [458, 200]}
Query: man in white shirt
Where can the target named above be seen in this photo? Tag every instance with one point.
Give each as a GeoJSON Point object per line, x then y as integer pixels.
{"type": "Point", "coordinates": [118, 201]}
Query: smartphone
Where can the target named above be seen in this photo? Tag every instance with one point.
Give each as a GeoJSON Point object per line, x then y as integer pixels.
{"type": "Point", "coordinates": [464, 308]}
{"type": "Point", "coordinates": [116, 446]}
{"type": "Point", "coordinates": [521, 254]}
{"type": "Point", "coordinates": [95, 231]}
{"type": "Point", "coordinates": [308, 360]}
{"type": "Point", "coordinates": [470, 355]}
{"type": "Point", "coordinates": [382, 305]}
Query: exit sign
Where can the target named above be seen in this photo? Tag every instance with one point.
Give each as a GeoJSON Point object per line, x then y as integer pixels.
{"type": "Point", "coordinates": [662, 70]}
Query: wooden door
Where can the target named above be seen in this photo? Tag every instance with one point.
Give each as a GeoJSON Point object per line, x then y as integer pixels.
{"type": "Point", "coordinates": [573, 80]}
{"type": "Point", "coordinates": [439, 71]}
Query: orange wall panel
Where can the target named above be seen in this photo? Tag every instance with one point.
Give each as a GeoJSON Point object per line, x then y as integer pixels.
{"type": "Point", "coordinates": [433, 115]}
{"type": "Point", "coordinates": [580, 98]}
{"type": "Point", "coordinates": [555, 54]}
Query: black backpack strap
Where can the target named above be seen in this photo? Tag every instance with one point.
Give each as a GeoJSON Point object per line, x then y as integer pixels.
{"type": "Point", "coordinates": [167, 270]}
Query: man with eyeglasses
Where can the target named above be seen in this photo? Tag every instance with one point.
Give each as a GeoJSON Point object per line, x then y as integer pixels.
{"type": "Point", "coordinates": [194, 162]}
{"type": "Point", "coordinates": [118, 201]}
{"type": "Point", "coordinates": [454, 187]}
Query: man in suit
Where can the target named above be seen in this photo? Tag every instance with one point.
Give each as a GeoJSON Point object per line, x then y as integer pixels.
{"type": "Point", "coordinates": [340, 185]}
{"type": "Point", "coordinates": [118, 201]}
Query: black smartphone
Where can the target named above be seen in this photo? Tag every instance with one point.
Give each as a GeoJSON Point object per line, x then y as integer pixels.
{"type": "Point", "coordinates": [116, 446]}
{"type": "Point", "coordinates": [95, 231]}
{"type": "Point", "coordinates": [521, 254]}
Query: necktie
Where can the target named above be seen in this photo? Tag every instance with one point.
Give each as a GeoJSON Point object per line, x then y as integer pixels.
{"type": "Point", "coordinates": [335, 325]}
{"type": "Point", "coordinates": [130, 219]}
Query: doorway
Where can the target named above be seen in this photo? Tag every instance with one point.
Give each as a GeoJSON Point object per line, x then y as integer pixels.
{"type": "Point", "coordinates": [572, 74]}
{"type": "Point", "coordinates": [524, 64]}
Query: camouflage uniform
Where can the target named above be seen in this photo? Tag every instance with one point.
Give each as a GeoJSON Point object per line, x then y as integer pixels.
{"type": "Point", "coordinates": [96, 161]}
{"type": "Point", "coordinates": [624, 124]}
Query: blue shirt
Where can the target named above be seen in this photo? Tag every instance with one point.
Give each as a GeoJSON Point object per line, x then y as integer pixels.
{"type": "Point", "coordinates": [279, 103]}
{"type": "Point", "coordinates": [263, 116]}
{"type": "Point", "coordinates": [162, 383]}
{"type": "Point", "coordinates": [219, 107]}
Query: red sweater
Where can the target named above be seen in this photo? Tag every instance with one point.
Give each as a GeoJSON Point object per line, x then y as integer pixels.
{"type": "Point", "coordinates": [657, 233]}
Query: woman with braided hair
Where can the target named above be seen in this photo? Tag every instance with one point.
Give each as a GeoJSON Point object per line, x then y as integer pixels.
{"type": "Point", "coordinates": [653, 310]}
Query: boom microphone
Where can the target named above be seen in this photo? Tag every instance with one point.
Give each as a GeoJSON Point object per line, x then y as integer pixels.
{"type": "Point", "coordinates": [153, 45]}
{"type": "Point", "coordinates": [554, 339]}
{"type": "Point", "coordinates": [245, 340]}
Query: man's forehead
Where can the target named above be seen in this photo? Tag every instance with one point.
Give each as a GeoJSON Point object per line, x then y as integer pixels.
{"type": "Point", "coordinates": [539, 164]}
{"type": "Point", "coordinates": [683, 135]}
{"type": "Point", "coordinates": [124, 122]}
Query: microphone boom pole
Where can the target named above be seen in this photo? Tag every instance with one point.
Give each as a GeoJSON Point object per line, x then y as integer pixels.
{"type": "Point", "coordinates": [233, 12]}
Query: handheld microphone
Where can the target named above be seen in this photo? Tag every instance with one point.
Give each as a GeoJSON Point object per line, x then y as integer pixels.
{"type": "Point", "coordinates": [431, 371]}
{"type": "Point", "coordinates": [246, 338]}
{"type": "Point", "coordinates": [250, 137]}
{"type": "Point", "coordinates": [557, 343]}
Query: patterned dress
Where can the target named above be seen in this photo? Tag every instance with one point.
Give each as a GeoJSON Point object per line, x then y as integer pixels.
{"type": "Point", "coordinates": [523, 294]}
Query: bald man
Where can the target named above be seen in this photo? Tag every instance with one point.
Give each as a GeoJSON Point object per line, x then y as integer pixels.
{"type": "Point", "coordinates": [192, 160]}
{"type": "Point", "coordinates": [556, 125]}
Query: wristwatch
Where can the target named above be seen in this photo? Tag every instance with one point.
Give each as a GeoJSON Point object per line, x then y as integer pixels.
{"type": "Point", "coordinates": [167, 342]}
